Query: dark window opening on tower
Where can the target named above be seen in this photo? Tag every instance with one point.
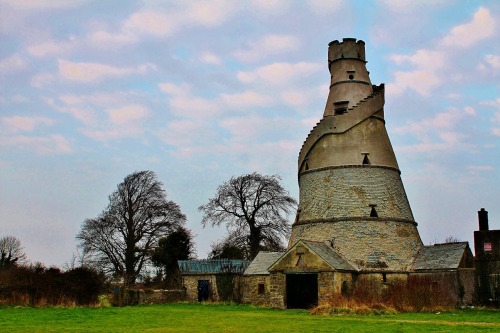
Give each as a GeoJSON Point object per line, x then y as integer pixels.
{"type": "Point", "coordinates": [351, 74]}
{"type": "Point", "coordinates": [307, 166]}
{"type": "Point", "coordinates": [384, 277]}
{"type": "Point", "coordinates": [340, 107]}
{"type": "Point", "coordinates": [366, 160]}
{"type": "Point", "coordinates": [340, 111]}
{"type": "Point", "coordinates": [373, 212]}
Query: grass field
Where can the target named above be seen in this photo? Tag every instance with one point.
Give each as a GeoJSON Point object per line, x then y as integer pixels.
{"type": "Point", "coordinates": [233, 318]}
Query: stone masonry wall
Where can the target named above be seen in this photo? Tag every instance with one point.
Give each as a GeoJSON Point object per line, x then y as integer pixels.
{"type": "Point", "coordinates": [349, 192]}
{"type": "Point", "coordinates": [277, 290]}
{"type": "Point", "coordinates": [190, 283]}
{"type": "Point", "coordinates": [251, 293]}
{"type": "Point", "coordinates": [371, 244]}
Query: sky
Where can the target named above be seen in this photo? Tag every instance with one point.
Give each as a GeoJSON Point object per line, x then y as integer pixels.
{"type": "Point", "coordinates": [200, 91]}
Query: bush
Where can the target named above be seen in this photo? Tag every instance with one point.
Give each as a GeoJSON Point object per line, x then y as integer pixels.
{"type": "Point", "coordinates": [38, 286]}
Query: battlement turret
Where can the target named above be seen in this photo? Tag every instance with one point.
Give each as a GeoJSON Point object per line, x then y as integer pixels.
{"type": "Point", "coordinates": [350, 80]}
{"type": "Point", "coordinates": [348, 48]}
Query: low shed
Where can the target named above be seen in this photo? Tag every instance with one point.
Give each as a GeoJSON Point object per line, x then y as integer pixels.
{"type": "Point", "coordinates": [212, 280]}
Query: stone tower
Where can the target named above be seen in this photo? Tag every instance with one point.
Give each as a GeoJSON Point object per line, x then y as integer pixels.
{"type": "Point", "coordinates": [351, 193]}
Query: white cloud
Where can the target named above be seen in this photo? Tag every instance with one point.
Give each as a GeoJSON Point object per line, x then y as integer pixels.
{"type": "Point", "coordinates": [105, 38]}
{"type": "Point", "coordinates": [49, 48]}
{"type": "Point", "coordinates": [271, 6]}
{"type": "Point", "coordinates": [210, 58]}
{"type": "Point", "coordinates": [425, 76]}
{"type": "Point", "coordinates": [150, 22]}
{"type": "Point", "coordinates": [42, 80]}
{"type": "Point", "coordinates": [43, 145]}
{"type": "Point", "coordinates": [184, 104]}
{"type": "Point", "coordinates": [267, 45]}
{"type": "Point", "coordinates": [475, 168]}
{"type": "Point", "coordinates": [437, 133]}
{"type": "Point", "coordinates": [325, 7]}
{"type": "Point", "coordinates": [43, 4]}
{"type": "Point", "coordinates": [245, 99]}
{"type": "Point", "coordinates": [12, 64]}
{"type": "Point", "coordinates": [279, 73]}
{"type": "Point", "coordinates": [422, 81]}
{"type": "Point", "coordinates": [129, 113]}
{"type": "Point", "coordinates": [24, 124]}
{"type": "Point", "coordinates": [94, 72]}
{"type": "Point", "coordinates": [162, 23]}
{"type": "Point", "coordinates": [422, 59]}
{"type": "Point", "coordinates": [481, 26]}
{"type": "Point", "coordinates": [491, 62]}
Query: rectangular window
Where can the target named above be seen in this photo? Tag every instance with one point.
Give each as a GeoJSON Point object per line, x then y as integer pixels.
{"type": "Point", "coordinates": [261, 289]}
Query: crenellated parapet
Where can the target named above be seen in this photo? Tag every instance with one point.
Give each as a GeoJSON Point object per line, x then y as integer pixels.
{"type": "Point", "coordinates": [349, 48]}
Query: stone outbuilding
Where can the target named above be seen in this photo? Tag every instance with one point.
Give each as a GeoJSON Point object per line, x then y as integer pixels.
{"type": "Point", "coordinates": [449, 267]}
{"type": "Point", "coordinates": [212, 280]}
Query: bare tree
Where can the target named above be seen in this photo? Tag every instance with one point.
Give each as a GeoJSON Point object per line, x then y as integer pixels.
{"type": "Point", "coordinates": [11, 251]}
{"type": "Point", "coordinates": [451, 239]}
{"type": "Point", "coordinates": [255, 208]}
{"type": "Point", "coordinates": [120, 240]}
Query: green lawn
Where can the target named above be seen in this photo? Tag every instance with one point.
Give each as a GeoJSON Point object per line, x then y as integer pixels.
{"type": "Point", "coordinates": [233, 318]}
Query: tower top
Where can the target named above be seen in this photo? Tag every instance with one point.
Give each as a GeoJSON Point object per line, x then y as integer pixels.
{"type": "Point", "coordinates": [349, 48]}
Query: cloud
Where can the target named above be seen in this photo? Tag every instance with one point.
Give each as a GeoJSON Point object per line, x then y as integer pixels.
{"type": "Point", "coordinates": [325, 7]}
{"type": "Point", "coordinates": [94, 72]}
{"type": "Point", "coordinates": [476, 168]}
{"type": "Point", "coordinates": [127, 114]}
{"type": "Point", "coordinates": [12, 64]}
{"type": "Point", "coordinates": [49, 48]}
{"type": "Point", "coordinates": [210, 58]}
{"type": "Point", "coordinates": [24, 124]}
{"type": "Point", "coordinates": [437, 133]}
{"type": "Point", "coordinates": [165, 23]}
{"type": "Point", "coordinates": [43, 145]}
{"type": "Point", "coordinates": [245, 99]}
{"type": "Point", "coordinates": [491, 63]}
{"type": "Point", "coordinates": [150, 22]}
{"type": "Point", "coordinates": [279, 73]}
{"type": "Point", "coordinates": [43, 4]}
{"type": "Point", "coordinates": [482, 26]}
{"type": "Point", "coordinates": [267, 45]}
{"type": "Point", "coordinates": [183, 103]}
{"type": "Point", "coordinates": [429, 68]}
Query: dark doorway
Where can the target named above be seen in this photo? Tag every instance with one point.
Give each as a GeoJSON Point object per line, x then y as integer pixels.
{"type": "Point", "coordinates": [301, 291]}
{"type": "Point", "coordinates": [203, 290]}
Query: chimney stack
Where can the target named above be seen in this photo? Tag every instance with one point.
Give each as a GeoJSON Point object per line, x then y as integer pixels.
{"type": "Point", "coordinates": [483, 220]}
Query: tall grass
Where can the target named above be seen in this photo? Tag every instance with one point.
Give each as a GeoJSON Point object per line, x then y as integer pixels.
{"type": "Point", "coordinates": [368, 295]}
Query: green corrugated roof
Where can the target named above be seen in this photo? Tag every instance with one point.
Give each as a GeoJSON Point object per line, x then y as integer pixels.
{"type": "Point", "coordinates": [212, 266]}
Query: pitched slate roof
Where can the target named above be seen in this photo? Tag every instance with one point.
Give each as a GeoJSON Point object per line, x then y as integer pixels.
{"type": "Point", "coordinates": [262, 262]}
{"type": "Point", "coordinates": [440, 256]}
{"type": "Point", "coordinates": [212, 266]}
{"type": "Point", "coordinates": [331, 257]}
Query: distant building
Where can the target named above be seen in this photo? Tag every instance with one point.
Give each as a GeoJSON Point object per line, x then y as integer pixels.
{"type": "Point", "coordinates": [487, 249]}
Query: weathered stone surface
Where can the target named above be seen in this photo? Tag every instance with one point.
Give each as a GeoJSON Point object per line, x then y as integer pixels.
{"type": "Point", "coordinates": [350, 191]}
{"type": "Point", "coordinates": [370, 244]}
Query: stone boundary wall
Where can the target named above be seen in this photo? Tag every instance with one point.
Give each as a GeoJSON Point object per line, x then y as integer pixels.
{"type": "Point", "coordinates": [125, 297]}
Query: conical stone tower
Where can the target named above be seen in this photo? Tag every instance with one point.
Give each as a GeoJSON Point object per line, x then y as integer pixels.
{"type": "Point", "coordinates": [351, 193]}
